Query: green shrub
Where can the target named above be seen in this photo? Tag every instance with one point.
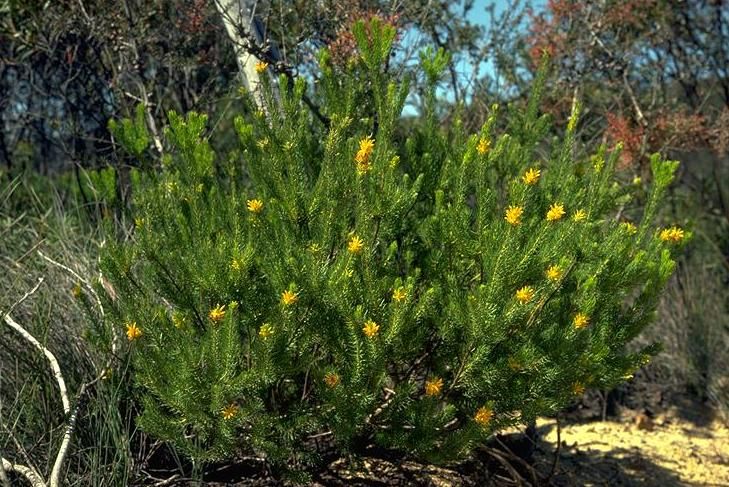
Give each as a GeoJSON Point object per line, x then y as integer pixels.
{"type": "Point", "coordinates": [331, 280]}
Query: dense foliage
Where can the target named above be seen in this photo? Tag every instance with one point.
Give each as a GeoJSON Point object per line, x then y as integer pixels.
{"type": "Point", "coordinates": [341, 281]}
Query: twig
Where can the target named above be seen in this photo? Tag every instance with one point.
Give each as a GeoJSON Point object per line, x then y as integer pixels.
{"type": "Point", "coordinates": [92, 291]}
{"type": "Point", "coordinates": [389, 397]}
{"type": "Point", "coordinates": [29, 473]}
{"type": "Point", "coordinates": [519, 459]}
{"type": "Point", "coordinates": [167, 481]}
{"type": "Point", "coordinates": [518, 479]}
{"type": "Point", "coordinates": [23, 453]}
{"type": "Point", "coordinates": [75, 274]}
{"type": "Point", "coordinates": [49, 355]}
{"type": "Point", "coordinates": [557, 453]}
{"type": "Point", "coordinates": [3, 475]}
{"type": "Point", "coordinates": [25, 296]}
{"type": "Point", "coordinates": [63, 449]}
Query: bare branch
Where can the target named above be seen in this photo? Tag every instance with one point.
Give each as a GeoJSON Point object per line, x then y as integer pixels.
{"type": "Point", "coordinates": [63, 449]}
{"type": "Point", "coordinates": [49, 355]}
{"type": "Point", "coordinates": [30, 474]}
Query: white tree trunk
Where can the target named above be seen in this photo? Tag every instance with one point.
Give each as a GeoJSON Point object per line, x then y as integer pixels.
{"type": "Point", "coordinates": [237, 15]}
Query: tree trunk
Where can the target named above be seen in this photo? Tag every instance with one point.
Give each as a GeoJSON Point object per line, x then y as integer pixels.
{"type": "Point", "coordinates": [243, 29]}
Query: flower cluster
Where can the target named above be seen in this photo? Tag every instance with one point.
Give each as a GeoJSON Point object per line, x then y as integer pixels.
{"type": "Point", "coordinates": [433, 386]}
{"type": "Point", "coordinates": [362, 158]}
{"type": "Point", "coordinates": [371, 329]}
{"type": "Point", "coordinates": [254, 206]}
{"type": "Point", "coordinates": [513, 214]}
{"type": "Point", "coordinates": [525, 294]}
{"type": "Point", "coordinates": [217, 314]}
{"type": "Point", "coordinates": [133, 331]}
{"type": "Point", "coordinates": [483, 146]}
{"type": "Point", "coordinates": [672, 235]}
{"type": "Point", "coordinates": [580, 321]}
{"type": "Point", "coordinates": [531, 176]}
{"type": "Point", "coordinates": [289, 298]}
{"type": "Point", "coordinates": [355, 245]}
{"type": "Point", "coordinates": [556, 212]}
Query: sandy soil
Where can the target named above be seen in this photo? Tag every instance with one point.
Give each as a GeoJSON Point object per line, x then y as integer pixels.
{"type": "Point", "coordinates": [686, 447]}
{"type": "Point", "coordinates": [676, 448]}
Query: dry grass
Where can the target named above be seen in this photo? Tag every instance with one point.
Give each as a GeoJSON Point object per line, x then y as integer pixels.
{"type": "Point", "coordinates": [31, 416]}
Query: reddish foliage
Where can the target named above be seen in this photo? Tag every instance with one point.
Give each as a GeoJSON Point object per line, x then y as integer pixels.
{"type": "Point", "coordinates": [620, 129]}
{"type": "Point", "coordinates": [679, 130]}
{"type": "Point", "coordinates": [545, 36]}
{"type": "Point", "coordinates": [195, 17]}
{"type": "Point", "coordinates": [719, 133]}
{"type": "Point", "coordinates": [343, 47]}
{"type": "Point", "coordinates": [629, 13]}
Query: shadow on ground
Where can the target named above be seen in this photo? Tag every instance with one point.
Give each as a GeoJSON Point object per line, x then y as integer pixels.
{"type": "Point", "coordinates": [580, 465]}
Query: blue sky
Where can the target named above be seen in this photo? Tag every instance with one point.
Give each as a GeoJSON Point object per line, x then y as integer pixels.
{"type": "Point", "coordinates": [478, 15]}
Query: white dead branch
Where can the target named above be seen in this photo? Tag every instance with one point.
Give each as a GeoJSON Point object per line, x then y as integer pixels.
{"type": "Point", "coordinates": [26, 471]}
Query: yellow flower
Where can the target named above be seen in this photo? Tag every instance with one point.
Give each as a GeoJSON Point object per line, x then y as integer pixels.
{"type": "Point", "coordinates": [229, 411]}
{"type": "Point", "coordinates": [133, 331]}
{"type": "Point", "coordinates": [483, 146]}
{"type": "Point", "coordinates": [673, 234]}
{"type": "Point", "coordinates": [331, 380]}
{"type": "Point", "coordinates": [178, 320]}
{"type": "Point", "coordinates": [579, 215]}
{"type": "Point", "coordinates": [289, 297]}
{"type": "Point", "coordinates": [265, 331]}
{"type": "Point", "coordinates": [597, 163]}
{"type": "Point", "coordinates": [531, 176]}
{"type": "Point", "coordinates": [366, 146]}
{"type": "Point", "coordinates": [433, 386]}
{"type": "Point", "coordinates": [483, 416]}
{"type": "Point", "coordinates": [513, 214]}
{"type": "Point", "coordinates": [580, 321]}
{"type": "Point", "coordinates": [314, 248]}
{"type": "Point", "coordinates": [235, 264]}
{"type": "Point", "coordinates": [525, 294]}
{"type": "Point", "coordinates": [399, 294]}
{"type": "Point", "coordinates": [261, 66]}
{"type": "Point", "coordinates": [217, 314]}
{"type": "Point", "coordinates": [254, 206]}
{"type": "Point", "coordinates": [556, 211]}
{"type": "Point", "coordinates": [629, 227]}
{"type": "Point", "coordinates": [370, 328]}
{"type": "Point", "coordinates": [578, 389]}
{"type": "Point", "coordinates": [355, 245]}
{"type": "Point", "coordinates": [76, 291]}
{"type": "Point", "coordinates": [637, 181]}
{"type": "Point", "coordinates": [139, 222]}
{"type": "Point", "coordinates": [554, 273]}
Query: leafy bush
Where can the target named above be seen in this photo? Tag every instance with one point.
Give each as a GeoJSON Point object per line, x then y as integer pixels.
{"type": "Point", "coordinates": [333, 280]}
